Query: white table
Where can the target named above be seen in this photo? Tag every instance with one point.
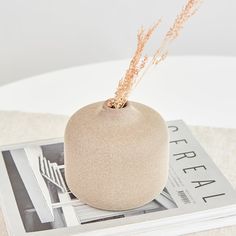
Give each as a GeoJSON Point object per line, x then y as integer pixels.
{"type": "Point", "coordinates": [200, 90]}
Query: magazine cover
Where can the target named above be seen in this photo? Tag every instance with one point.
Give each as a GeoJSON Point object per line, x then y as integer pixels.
{"type": "Point", "coordinates": [36, 199]}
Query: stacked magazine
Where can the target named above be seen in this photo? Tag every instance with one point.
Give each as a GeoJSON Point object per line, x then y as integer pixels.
{"type": "Point", "coordinates": [35, 198]}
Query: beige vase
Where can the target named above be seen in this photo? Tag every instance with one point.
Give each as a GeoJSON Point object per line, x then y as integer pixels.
{"type": "Point", "coordinates": [116, 159]}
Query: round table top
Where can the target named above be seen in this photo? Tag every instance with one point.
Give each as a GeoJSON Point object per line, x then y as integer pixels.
{"type": "Point", "coordinates": [198, 89]}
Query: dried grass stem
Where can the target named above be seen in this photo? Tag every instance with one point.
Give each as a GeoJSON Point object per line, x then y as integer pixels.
{"type": "Point", "coordinates": [140, 62]}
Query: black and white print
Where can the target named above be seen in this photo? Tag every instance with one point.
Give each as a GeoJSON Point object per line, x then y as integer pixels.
{"type": "Point", "coordinates": [44, 201]}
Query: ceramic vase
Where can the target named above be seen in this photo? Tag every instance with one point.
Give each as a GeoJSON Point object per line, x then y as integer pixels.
{"type": "Point", "coordinates": [116, 159]}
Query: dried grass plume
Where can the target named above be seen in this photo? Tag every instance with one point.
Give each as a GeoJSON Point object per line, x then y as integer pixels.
{"type": "Point", "coordinates": [140, 62]}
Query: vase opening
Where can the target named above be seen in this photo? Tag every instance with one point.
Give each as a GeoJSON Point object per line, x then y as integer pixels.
{"type": "Point", "coordinates": [107, 106]}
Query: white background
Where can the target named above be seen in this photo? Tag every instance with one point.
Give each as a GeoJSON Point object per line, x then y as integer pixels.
{"type": "Point", "coordinates": [198, 89]}
{"type": "Point", "coordinates": [37, 36]}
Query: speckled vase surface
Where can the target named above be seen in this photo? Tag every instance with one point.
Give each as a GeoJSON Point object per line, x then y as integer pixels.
{"type": "Point", "coordinates": [116, 159]}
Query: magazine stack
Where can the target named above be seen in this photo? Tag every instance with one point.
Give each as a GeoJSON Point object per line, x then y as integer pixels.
{"type": "Point", "coordinates": [35, 199]}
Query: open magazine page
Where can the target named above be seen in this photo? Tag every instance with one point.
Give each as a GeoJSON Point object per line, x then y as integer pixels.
{"type": "Point", "coordinates": [35, 173]}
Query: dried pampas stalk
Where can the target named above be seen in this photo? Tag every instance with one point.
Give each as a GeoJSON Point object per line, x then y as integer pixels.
{"type": "Point", "coordinates": [136, 65]}
{"type": "Point", "coordinates": [141, 63]}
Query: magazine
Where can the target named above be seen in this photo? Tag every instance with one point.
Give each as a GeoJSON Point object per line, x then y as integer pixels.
{"type": "Point", "coordinates": [36, 200]}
